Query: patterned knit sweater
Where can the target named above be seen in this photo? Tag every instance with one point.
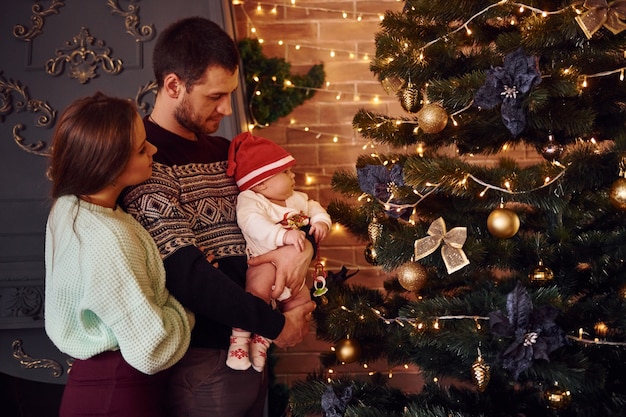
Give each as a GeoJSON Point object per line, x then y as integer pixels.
{"type": "Point", "coordinates": [105, 288]}
{"type": "Point", "coordinates": [189, 208]}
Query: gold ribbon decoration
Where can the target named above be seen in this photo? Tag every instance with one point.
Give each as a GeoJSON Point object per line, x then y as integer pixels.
{"type": "Point", "coordinates": [602, 13]}
{"type": "Point", "coordinates": [451, 251]}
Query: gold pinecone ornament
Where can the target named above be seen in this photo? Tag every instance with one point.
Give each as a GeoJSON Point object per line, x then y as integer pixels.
{"type": "Point", "coordinates": [410, 98]}
{"type": "Point", "coordinates": [481, 373]}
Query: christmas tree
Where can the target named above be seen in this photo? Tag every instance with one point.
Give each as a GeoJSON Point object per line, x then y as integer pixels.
{"type": "Point", "coordinates": [507, 280]}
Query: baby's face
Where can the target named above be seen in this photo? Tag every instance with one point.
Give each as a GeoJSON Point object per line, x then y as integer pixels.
{"type": "Point", "coordinates": [278, 187]}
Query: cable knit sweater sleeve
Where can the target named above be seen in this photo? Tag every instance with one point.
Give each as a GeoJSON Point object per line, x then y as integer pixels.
{"type": "Point", "coordinates": [105, 289]}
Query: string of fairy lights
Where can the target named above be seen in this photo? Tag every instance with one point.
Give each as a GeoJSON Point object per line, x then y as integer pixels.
{"type": "Point", "coordinates": [263, 8]}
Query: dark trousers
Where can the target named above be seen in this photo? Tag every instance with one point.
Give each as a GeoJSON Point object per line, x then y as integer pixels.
{"type": "Point", "coordinates": [201, 385]}
{"type": "Point", "coordinates": [106, 385]}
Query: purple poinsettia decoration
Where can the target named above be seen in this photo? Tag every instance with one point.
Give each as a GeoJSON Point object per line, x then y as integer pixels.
{"type": "Point", "coordinates": [507, 86]}
{"type": "Point", "coordinates": [534, 333]}
{"type": "Point", "coordinates": [379, 181]}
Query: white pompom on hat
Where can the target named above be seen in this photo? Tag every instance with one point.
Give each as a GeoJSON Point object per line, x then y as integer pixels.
{"type": "Point", "coordinates": [253, 159]}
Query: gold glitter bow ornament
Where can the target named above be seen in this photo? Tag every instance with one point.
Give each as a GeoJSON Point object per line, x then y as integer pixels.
{"type": "Point", "coordinates": [451, 251]}
{"type": "Point", "coordinates": [602, 13]}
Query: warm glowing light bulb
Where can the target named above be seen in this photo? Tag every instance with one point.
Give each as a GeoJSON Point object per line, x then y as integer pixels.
{"type": "Point", "coordinates": [335, 139]}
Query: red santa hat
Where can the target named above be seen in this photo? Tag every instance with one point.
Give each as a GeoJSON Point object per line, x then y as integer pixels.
{"type": "Point", "coordinates": [252, 160]}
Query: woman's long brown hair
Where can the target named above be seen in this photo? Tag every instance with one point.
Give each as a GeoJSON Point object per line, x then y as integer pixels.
{"type": "Point", "coordinates": [91, 144]}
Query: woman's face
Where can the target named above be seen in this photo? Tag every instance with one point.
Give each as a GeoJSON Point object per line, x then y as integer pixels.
{"type": "Point", "coordinates": [139, 166]}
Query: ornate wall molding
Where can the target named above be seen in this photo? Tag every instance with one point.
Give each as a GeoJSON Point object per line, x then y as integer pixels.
{"type": "Point", "coordinates": [32, 363]}
{"type": "Point", "coordinates": [150, 87]}
{"type": "Point", "coordinates": [37, 20]}
{"type": "Point", "coordinates": [23, 302]}
{"type": "Point", "coordinates": [83, 55]}
{"type": "Point", "coordinates": [143, 34]}
{"type": "Point", "coordinates": [45, 114]}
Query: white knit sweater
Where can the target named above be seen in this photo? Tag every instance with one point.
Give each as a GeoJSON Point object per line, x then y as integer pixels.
{"type": "Point", "coordinates": [105, 288]}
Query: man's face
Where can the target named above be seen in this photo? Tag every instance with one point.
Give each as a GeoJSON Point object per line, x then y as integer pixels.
{"type": "Point", "coordinates": [201, 110]}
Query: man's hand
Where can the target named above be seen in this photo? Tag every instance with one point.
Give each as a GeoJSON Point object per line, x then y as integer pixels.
{"type": "Point", "coordinates": [297, 324]}
{"type": "Point", "coordinates": [291, 266]}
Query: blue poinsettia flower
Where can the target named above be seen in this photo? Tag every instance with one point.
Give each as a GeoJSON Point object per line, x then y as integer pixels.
{"type": "Point", "coordinates": [534, 333]}
{"type": "Point", "coordinates": [379, 181]}
{"type": "Point", "coordinates": [507, 85]}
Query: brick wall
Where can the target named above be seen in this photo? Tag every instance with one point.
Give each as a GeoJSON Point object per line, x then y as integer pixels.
{"type": "Point", "coordinates": [320, 135]}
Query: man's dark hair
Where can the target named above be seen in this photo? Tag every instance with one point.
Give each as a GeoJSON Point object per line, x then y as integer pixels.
{"type": "Point", "coordinates": [191, 45]}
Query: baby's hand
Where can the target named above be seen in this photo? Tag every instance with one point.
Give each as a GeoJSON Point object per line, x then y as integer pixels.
{"type": "Point", "coordinates": [319, 231]}
{"type": "Point", "coordinates": [295, 237]}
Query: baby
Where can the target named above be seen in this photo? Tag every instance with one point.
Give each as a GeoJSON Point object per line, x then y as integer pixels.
{"type": "Point", "coordinates": [270, 214]}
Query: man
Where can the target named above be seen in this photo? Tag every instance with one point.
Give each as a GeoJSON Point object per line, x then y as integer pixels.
{"type": "Point", "coordinates": [188, 206]}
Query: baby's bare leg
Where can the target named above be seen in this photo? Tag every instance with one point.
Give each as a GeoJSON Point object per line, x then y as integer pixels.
{"type": "Point", "coordinates": [260, 279]}
{"type": "Point", "coordinates": [297, 299]}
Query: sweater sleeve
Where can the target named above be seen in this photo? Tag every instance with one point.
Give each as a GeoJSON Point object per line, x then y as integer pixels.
{"type": "Point", "coordinates": [128, 294]}
{"type": "Point", "coordinates": [207, 291]}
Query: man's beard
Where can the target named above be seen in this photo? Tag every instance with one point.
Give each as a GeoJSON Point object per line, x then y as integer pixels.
{"type": "Point", "coordinates": [184, 116]}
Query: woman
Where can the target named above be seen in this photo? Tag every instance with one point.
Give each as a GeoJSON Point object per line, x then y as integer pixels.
{"type": "Point", "coordinates": [106, 303]}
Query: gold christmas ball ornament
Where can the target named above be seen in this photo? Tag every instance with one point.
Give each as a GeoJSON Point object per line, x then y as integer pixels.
{"type": "Point", "coordinates": [412, 276]}
{"type": "Point", "coordinates": [503, 223]}
{"type": "Point", "coordinates": [617, 194]}
{"type": "Point", "coordinates": [432, 118]}
{"type": "Point", "coordinates": [481, 374]}
{"type": "Point", "coordinates": [552, 150]}
{"type": "Point", "coordinates": [541, 274]}
{"type": "Point", "coordinates": [370, 254]}
{"type": "Point", "coordinates": [348, 350]}
{"type": "Point", "coordinates": [557, 398]}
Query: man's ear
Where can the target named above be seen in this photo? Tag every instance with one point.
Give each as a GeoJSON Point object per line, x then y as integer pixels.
{"type": "Point", "coordinates": [172, 85]}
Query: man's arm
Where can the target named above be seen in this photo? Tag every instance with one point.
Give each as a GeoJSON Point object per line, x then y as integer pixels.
{"type": "Point", "coordinates": [207, 291]}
